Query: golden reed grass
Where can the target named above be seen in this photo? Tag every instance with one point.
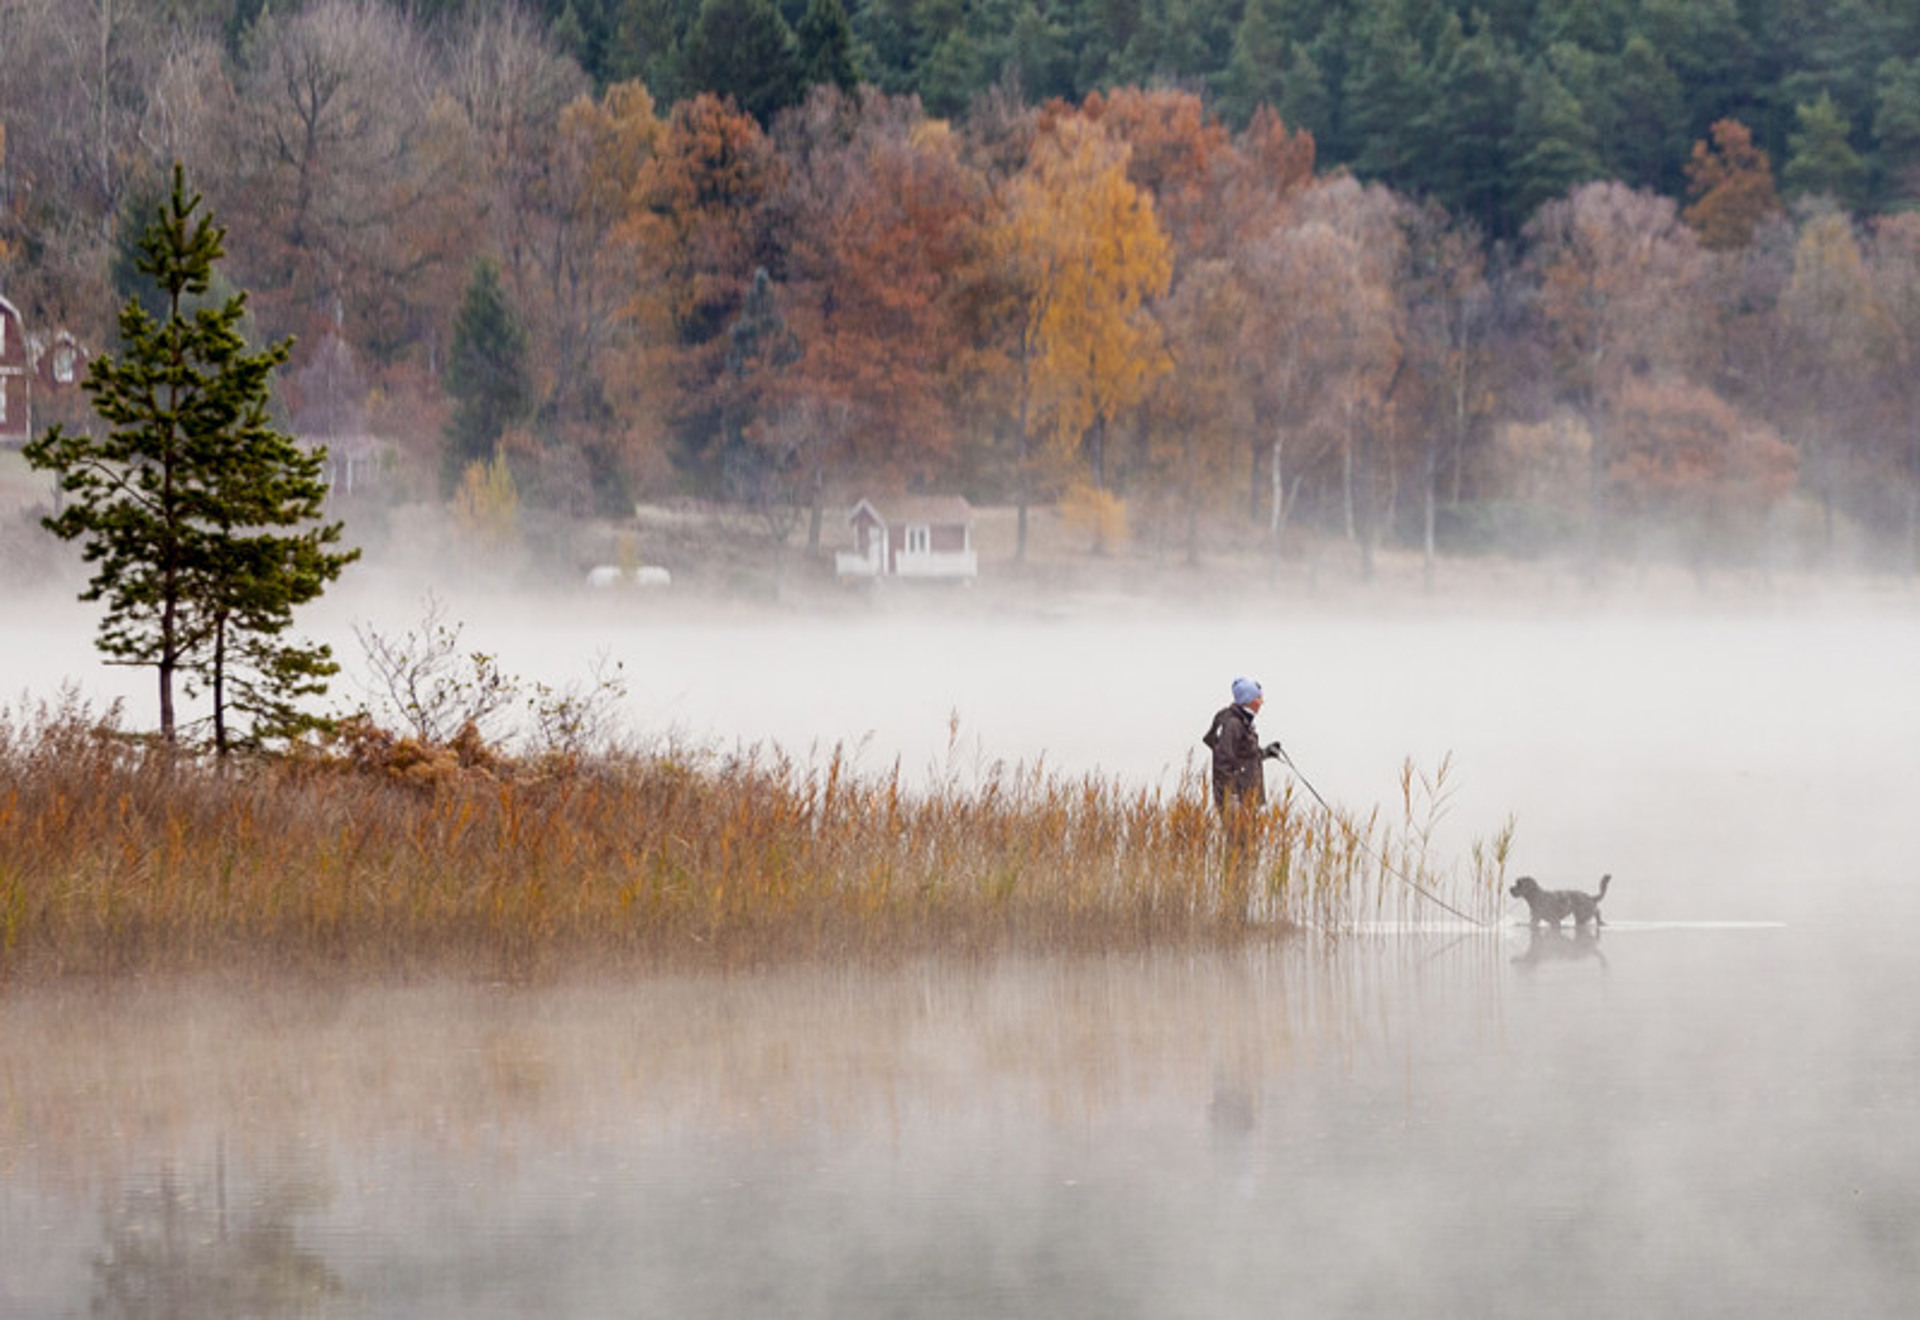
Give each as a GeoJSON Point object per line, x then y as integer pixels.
{"type": "Point", "coordinates": [377, 854]}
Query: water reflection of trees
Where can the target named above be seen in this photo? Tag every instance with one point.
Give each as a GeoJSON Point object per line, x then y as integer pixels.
{"type": "Point", "coordinates": [176, 1248]}
{"type": "Point", "coordinates": [683, 1115]}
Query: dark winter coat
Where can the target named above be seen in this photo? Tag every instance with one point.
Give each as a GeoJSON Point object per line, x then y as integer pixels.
{"type": "Point", "coordinates": [1238, 758]}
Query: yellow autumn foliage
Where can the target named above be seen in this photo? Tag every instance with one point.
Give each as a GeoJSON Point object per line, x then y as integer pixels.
{"type": "Point", "coordinates": [1093, 255]}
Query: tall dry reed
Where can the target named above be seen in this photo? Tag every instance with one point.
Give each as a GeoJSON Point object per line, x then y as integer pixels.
{"type": "Point", "coordinates": [377, 853]}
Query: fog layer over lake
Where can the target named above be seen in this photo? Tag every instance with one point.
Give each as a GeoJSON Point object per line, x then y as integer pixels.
{"type": "Point", "coordinates": [1711, 1109]}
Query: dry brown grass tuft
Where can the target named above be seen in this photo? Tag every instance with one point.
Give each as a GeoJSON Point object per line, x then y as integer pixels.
{"type": "Point", "coordinates": [379, 854]}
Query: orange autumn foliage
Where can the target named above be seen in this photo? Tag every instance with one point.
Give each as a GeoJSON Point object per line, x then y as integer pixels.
{"type": "Point", "coordinates": [1682, 456]}
{"type": "Point", "coordinates": [1731, 184]}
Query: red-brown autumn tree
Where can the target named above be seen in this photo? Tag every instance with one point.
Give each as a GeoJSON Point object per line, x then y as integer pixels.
{"type": "Point", "coordinates": [1177, 152]}
{"type": "Point", "coordinates": [880, 222]}
{"type": "Point", "coordinates": [1730, 184]}
{"type": "Point", "coordinates": [1686, 468]}
{"type": "Point", "coordinates": [698, 228]}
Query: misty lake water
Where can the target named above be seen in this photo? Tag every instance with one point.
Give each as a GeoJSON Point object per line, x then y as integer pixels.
{"type": "Point", "coordinates": [1710, 1110]}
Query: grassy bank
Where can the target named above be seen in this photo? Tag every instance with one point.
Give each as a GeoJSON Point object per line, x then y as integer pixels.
{"type": "Point", "coordinates": [378, 854]}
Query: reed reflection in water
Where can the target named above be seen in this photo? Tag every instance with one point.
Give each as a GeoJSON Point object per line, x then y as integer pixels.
{"type": "Point", "coordinates": [1401, 1125]}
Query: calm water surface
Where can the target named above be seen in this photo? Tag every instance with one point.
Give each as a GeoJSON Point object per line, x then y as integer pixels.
{"type": "Point", "coordinates": [1687, 1116]}
{"type": "Point", "coordinates": [1667, 1121]}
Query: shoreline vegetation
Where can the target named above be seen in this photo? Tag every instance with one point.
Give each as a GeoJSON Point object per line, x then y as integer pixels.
{"type": "Point", "coordinates": [370, 853]}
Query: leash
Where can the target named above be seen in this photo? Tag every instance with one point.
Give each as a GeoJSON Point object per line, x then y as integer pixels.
{"type": "Point", "coordinates": [1378, 856]}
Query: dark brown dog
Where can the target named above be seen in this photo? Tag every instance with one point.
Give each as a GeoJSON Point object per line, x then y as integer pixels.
{"type": "Point", "coordinates": [1550, 907]}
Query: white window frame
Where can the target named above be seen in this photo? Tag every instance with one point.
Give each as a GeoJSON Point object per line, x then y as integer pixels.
{"type": "Point", "coordinates": [919, 539]}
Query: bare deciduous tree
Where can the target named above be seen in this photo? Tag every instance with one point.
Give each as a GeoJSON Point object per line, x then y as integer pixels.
{"type": "Point", "coordinates": [74, 91]}
{"type": "Point", "coordinates": [1324, 343]}
{"type": "Point", "coordinates": [349, 182]}
{"type": "Point", "coordinates": [1449, 304]}
{"type": "Point", "coordinates": [1618, 277]}
{"type": "Point", "coordinates": [511, 84]}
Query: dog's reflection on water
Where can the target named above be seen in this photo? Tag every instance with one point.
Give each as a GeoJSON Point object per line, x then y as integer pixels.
{"type": "Point", "coordinates": [1551, 944]}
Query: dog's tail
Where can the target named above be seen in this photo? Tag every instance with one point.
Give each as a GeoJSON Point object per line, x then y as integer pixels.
{"type": "Point", "coordinates": [1605, 880]}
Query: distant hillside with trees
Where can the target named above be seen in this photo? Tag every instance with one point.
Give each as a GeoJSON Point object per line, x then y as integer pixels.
{"type": "Point", "coordinates": [1489, 108]}
{"type": "Point", "coordinates": [1615, 277]}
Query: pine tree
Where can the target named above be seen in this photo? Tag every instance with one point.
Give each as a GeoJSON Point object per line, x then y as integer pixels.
{"type": "Point", "coordinates": [1896, 128]}
{"type": "Point", "coordinates": [1652, 143]}
{"type": "Point", "coordinates": [888, 36]}
{"type": "Point", "coordinates": [144, 197]}
{"type": "Point", "coordinates": [646, 46]}
{"type": "Point", "coordinates": [760, 350]}
{"type": "Point", "coordinates": [1463, 135]}
{"type": "Point", "coordinates": [952, 73]}
{"type": "Point", "coordinates": [1388, 88]}
{"type": "Point", "coordinates": [1821, 161]}
{"type": "Point", "coordinates": [1255, 73]}
{"type": "Point", "coordinates": [824, 43]}
{"type": "Point", "coordinates": [1554, 146]}
{"type": "Point", "coordinates": [743, 49]}
{"type": "Point", "coordinates": [1039, 54]}
{"type": "Point", "coordinates": [1306, 102]}
{"type": "Point", "coordinates": [201, 518]}
{"type": "Point", "coordinates": [486, 375]}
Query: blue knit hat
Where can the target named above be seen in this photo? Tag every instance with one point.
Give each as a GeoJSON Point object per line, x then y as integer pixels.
{"type": "Point", "coordinates": [1244, 691]}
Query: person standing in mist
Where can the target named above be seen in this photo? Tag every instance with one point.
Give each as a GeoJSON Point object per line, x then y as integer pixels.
{"type": "Point", "coordinates": [1239, 761]}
